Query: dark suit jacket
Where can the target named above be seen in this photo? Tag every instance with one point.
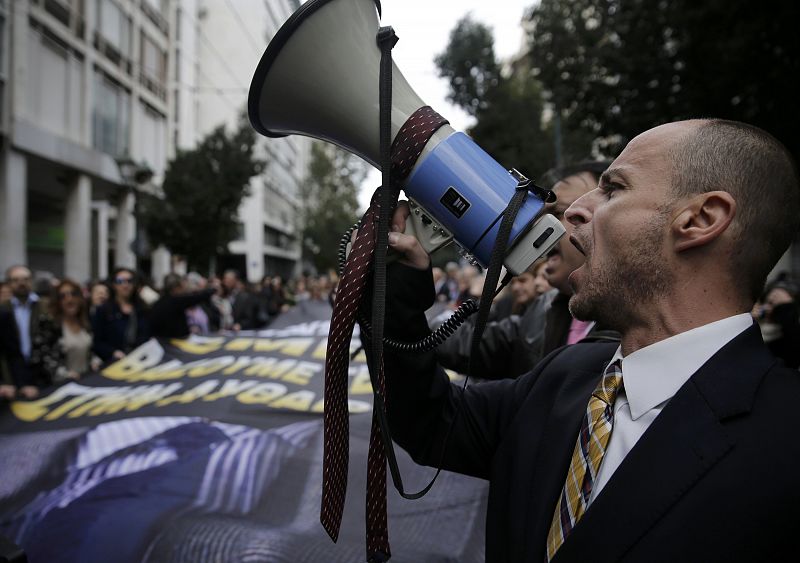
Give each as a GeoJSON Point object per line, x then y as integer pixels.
{"type": "Point", "coordinates": [11, 362]}
{"type": "Point", "coordinates": [168, 315]}
{"type": "Point", "coordinates": [21, 372]}
{"type": "Point", "coordinates": [712, 479]}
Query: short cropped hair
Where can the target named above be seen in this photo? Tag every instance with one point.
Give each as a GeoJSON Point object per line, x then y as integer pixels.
{"type": "Point", "coordinates": [760, 174]}
{"type": "Point", "coordinates": [172, 281]}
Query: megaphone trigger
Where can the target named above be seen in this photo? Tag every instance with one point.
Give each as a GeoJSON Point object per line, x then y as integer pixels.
{"type": "Point", "coordinates": [423, 226]}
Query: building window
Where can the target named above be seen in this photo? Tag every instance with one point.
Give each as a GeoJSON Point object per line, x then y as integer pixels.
{"type": "Point", "coordinates": [50, 61]}
{"type": "Point", "coordinates": [153, 138]}
{"type": "Point", "coordinates": [111, 116]}
{"type": "Point", "coordinates": [155, 10]}
{"type": "Point", "coordinates": [273, 237]}
{"type": "Point", "coordinates": [114, 26]}
{"type": "Point", "coordinates": [154, 67]}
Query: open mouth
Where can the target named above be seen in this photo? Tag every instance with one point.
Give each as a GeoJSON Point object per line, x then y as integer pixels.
{"type": "Point", "coordinates": [577, 244]}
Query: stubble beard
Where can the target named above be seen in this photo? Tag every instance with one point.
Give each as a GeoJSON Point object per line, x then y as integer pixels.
{"type": "Point", "coordinates": [616, 295]}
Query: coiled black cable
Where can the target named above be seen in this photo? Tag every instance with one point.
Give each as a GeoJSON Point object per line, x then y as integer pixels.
{"type": "Point", "coordinates": [435, 338]}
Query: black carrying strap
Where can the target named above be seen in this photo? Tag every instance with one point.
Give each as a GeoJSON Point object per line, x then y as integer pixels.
{"type": "Point", "coordinates": [495, 265]}
{"type": "Point", "coordinates": [387, 194]}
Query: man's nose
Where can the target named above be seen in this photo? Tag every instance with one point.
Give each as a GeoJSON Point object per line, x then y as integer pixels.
{"type": "Point", "coordinates": [580, 210]}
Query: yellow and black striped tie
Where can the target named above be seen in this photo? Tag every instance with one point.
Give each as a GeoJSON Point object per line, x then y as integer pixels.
{"type": "Point", "coordinates": [592, 442]}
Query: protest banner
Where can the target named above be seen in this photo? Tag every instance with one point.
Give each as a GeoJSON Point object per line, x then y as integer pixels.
{"type": "Point", "coordinates": [209, 449]}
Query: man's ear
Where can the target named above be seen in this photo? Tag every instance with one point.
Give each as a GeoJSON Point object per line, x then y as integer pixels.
{"type": "Point", "coordinates": [703, 219]}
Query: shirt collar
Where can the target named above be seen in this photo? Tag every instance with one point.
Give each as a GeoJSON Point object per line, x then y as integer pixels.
{"type": "Point", "coordinates": [653, 374]}
{"type": "Point", "coordinates": [32, 298]}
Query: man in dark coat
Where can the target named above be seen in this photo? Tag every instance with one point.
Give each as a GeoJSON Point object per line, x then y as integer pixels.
{"type": "Point", "coordinates": [699, 456]}
{"type": "Point", "coordinates": [168, 315]}
{"type": "Point", "coordinates": [24, 309]}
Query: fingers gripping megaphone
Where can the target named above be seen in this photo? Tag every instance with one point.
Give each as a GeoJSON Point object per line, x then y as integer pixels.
{"type": "Point", "coordinates": [318, 78]}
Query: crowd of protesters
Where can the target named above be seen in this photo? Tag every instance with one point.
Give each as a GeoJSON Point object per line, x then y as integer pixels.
{"type": "Point", "coordinates": [57, 330]}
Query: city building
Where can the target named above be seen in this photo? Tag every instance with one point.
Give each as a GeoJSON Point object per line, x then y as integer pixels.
{"type": "Point", "coordinates": [217, 46]}
{"type": "Point", "coordinates": [84, 88]}
{"type": "Point", "coordinates": [95, 98]}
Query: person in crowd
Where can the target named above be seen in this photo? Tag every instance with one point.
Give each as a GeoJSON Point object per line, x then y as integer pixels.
{"type": "Point", "coordinates": [244, 307]}
{"type": "Point", "coordinates": [318, 289]}
{"type": "Point", "coordinates": [512, 346]}
{"type": "Point", "coordinates": [98, 295]}
{"type": "Point", "coordinates": [452, 274]}
{"type": "Point", "coordinates": [440, 285]}
{"type": "Point", "coordinates": [168, 316]}
{"type": "Point", "coordinates": [278, 302]}
{"type": "Point", "coordinates": [300, 290]}
{"type": "Point", "coordinates": [222, 305]}
{"type": "Point", "coordinates": [121, 324]}
{"type": "Point", "coordinates": [779, 320]}
{"type": "Point", "coordinates": [521, 292]}
{"type": "Point", "coordinates": [13, 373]}
{"type": "Point", "coordinates": [43, 285]}
{"type": "Point", "coordinates": [626, 451]}
{"type": "Point", "coordinates": [465, 278]}
{"type": "Point", "coordinates": [203, 318]}
{"type": "Point", "coordinates": [25, 309]}
{"type": "Point", "coordinates": [62, 345]}
{"type": "Point", "coordinates": [5, 293]}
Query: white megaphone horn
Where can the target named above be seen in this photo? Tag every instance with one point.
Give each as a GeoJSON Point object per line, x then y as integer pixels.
{"type": "Point", "coordinates": [319, 77]}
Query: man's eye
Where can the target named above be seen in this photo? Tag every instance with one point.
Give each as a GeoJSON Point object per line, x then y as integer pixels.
{"type": "Point", "coordinates": [608, 189]}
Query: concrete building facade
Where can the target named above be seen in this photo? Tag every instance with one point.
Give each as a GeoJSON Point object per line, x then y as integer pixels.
{"type": "Point", "coordinates": [217, 46]}
{"type": "Point", "coordinates": [85, 84]}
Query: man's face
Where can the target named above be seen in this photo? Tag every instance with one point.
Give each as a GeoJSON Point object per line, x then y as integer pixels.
{"type": "Point", "coordinates": [229, 281]}
{"type": "Point", "coordinates": [564, 258]}
{"type": "Point", "coordinates": [622, 228]}
{"type": "Point", "coordinates": [523, 288]}
{"type": "Point", "coordinates": [540, 283]}
{"type": "Point", "coordinates": [123, 284]}
{"type": "Point", "coordinates": [19, 279]}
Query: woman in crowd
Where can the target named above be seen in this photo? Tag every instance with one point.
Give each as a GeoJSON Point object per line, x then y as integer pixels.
{"type": "Point", "coordinates": [121, 324]}
{"type": "Point", "coordinates": [62, 345]}
{"type": "Point", "coordinates": [98, 295]}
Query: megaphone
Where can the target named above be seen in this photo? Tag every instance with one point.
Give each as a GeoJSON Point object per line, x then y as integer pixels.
{"type": "Point", "coordinates": [319, 77]}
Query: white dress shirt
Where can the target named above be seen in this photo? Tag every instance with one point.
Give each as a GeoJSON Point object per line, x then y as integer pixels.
{"type": "Point", "coordinates": [651, 376]}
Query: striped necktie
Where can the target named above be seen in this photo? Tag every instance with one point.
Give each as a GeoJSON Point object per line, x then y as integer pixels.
{"type": "Point", "coordinates": [406, 149]}
{"type": "Point", "coordinates": [586, 458]}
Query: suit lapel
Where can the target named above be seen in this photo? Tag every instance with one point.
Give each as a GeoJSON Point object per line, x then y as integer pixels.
{"type": "Point", "coordinates": [684, 442]}
{"type": "Point", "coordinates": [558, 442]}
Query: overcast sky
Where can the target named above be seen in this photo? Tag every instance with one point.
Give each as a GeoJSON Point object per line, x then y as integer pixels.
{"type": "Point", "coordinates": [423, 27]}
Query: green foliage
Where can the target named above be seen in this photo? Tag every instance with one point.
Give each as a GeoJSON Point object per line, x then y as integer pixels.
{"type": "Point", "coordinates": [508, 110]}
{"type": "Point", "coordinates": [203, 189]}
{"type": "Point", "coordinates": [618, 67]}
{"type": "Point", "coordinates": [470, 65]}
{"type": "Point", "coordinates": [330, 202]}
{"type": "Point", "coordinates": [509, 128]}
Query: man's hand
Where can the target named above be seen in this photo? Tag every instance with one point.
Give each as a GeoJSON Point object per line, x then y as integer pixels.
{"type": "Point", "coordinates": [413, 253]}
{"type": "Point", "coordinates": [8, 392]}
